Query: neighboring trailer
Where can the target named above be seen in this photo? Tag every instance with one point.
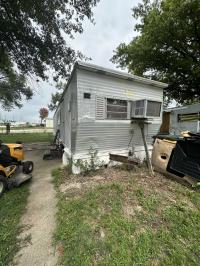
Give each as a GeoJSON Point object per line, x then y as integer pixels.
{"type": "Point", "coordinates": [95, 111]}
{"type": "Point", "coordinates": [176, 120]}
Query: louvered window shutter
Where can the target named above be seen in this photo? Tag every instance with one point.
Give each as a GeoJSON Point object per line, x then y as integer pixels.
{"type": "Point", "coordinates": [100, 108]}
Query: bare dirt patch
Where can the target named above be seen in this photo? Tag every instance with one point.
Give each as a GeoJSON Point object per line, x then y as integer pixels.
{"type": "Point", "coordinates": [158, 187]}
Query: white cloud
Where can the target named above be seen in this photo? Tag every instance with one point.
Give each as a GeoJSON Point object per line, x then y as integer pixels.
{"type": "Point", "coordinates": [113, 24]}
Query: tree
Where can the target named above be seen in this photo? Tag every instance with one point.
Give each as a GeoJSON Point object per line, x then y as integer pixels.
{"type": "Point", "coordinates": [56, 97]}
{"type": "Point", "coordinates": [11, 90]}
{"type": "Point", "coordinates": [33, 40]}
{"type": "Point", "coordinates": [167, 47]}
{"type": "Point", "coordinates": [44, 112]}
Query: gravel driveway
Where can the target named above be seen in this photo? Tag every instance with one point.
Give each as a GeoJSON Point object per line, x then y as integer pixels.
{"type": "Point", "coordinates": [39, 219]}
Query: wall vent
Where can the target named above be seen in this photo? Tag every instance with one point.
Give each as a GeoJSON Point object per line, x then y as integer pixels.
{"type": "Point", "coordinates": [100, 107]}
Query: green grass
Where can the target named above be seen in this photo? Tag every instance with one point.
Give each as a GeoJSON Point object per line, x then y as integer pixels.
{"type": "Point", "coordinates": [12, 206]}
{"type": "Point", "coordinates": [22, 128]}
{"type": "Point", "coordinates": [27, 137]}
{"type": "Point", "coordinates": [133, 221]}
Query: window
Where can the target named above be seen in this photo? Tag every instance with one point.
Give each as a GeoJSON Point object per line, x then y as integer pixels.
{"type": "Point", "coordinates": [188, 117]}
{"type": "Point", "coordinates": [153, 108]}
{"type": "Point", "coordinates": [87, 95]}
{"type": "Point", "coordinates": [116, 109]}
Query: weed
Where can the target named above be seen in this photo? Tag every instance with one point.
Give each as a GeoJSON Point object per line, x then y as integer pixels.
{"type": "Point", "coordinates": [92, 164]}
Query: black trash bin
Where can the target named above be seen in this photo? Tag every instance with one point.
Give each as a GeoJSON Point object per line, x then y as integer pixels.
{"type": "Point", "coordinates": [185, 158]}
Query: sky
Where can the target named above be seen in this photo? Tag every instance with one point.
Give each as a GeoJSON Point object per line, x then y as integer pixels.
{"type": "Point", "coordinates": [114, 24]}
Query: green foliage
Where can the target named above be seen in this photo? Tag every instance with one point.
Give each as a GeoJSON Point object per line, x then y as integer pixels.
{"type": "Point", "coordinates": [12, 88]}
{"type": "Point", "coordinates": [12, 206]}
{"type": "Point", "coordinates": [167, 47]}
{"type": "Point", "coordinates": [88, 166]}
{"type": "Point", "coordinates": [33, 40]}
{"type": "Point", "coordinates": [56, 97]}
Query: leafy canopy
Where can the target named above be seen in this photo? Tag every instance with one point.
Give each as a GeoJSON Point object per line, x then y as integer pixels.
{"type": "Point", "coordinates": [167, 47]}
{"type": "Point", "coordinates": [12, 87]}
{"type": "Point", "coordinates": [33, 40]}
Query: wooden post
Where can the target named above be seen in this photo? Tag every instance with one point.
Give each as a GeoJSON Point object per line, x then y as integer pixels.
{"type": "Point", "coordinates": [149, 164]}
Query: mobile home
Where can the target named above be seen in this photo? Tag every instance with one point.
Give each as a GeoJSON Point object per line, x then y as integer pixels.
{"type": "Point", "coordinates": [96, 110]}
{"type": "Point", "coordinates": [178, 119]}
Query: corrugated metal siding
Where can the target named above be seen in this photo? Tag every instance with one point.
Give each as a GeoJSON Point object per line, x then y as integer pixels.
{"type": "Point", "coordinates": [114, 135]}
{"type": "Point", "coordinates": [105, 134]}
{"type": "Point", "coordinates": [102, 136]}
{"type": "Point", "coordinates": [119, 88]}
{"type": "Point", "coordinates": [177, 127]}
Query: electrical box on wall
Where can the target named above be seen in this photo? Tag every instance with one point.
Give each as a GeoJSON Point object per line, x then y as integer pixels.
{"type": "Point", "coordinates": [146, 109]}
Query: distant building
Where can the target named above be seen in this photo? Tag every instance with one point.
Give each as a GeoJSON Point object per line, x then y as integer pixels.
{"type": "Point", "coordinates": [18, 124]}
{"type": "Point", "coordinates": [49, 122]}
{"type": "Point", "coordinates": [178, 119]}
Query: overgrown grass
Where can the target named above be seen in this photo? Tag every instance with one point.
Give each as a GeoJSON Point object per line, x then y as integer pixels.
{"type": "Point", "coordinates": [27, 137]}
{"type": "Point", "coordinates": [134, 221]}
{"type": "Point", "coordinates": [12, 206]}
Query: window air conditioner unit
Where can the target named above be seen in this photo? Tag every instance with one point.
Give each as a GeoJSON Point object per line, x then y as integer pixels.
{"type": "Point", "coordinates": [145, 109]}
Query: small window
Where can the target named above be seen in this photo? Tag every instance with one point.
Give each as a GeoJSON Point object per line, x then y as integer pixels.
{"type": "Point", "coordinates": [87, 95]}
{"type": "Point", "coordinates": [153, 108]}
{"type": "Point", "coordinates": [188, 117]}
{"type": "Point", "coordinates": [116, 109]}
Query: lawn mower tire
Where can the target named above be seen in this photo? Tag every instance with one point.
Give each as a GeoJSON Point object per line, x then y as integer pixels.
{"type": "Point", "coordinates": [3, 184]}
{"type": "Point", "coordinates": [27, 167]}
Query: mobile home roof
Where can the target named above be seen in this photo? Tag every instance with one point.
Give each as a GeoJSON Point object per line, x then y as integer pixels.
{"type": "Point", "coordinates": [118, 74]}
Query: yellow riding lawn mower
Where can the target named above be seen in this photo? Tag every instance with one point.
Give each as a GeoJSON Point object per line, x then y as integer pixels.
{"type": "Point", "coordinates": [13, 170]}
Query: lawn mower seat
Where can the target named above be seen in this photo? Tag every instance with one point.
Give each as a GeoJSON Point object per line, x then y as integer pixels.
{"type": "Point", "coordinates": [5, 158]}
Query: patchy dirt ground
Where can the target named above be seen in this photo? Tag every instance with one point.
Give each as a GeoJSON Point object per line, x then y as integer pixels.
{"type": "Point", "coordinates": [75, 186]}
{"type": "Point", "coordinates": [39, 219]}
{"type": "Point", "coordinates": [78, 184]}
{"type": "Point", "coordinates": [119, 217]}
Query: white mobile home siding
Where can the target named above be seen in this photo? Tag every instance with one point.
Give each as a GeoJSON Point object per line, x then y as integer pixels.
{"type": "Point", "coordinates": [110, 135]}
{"type": "Point", "coordinates": [67, 110]}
